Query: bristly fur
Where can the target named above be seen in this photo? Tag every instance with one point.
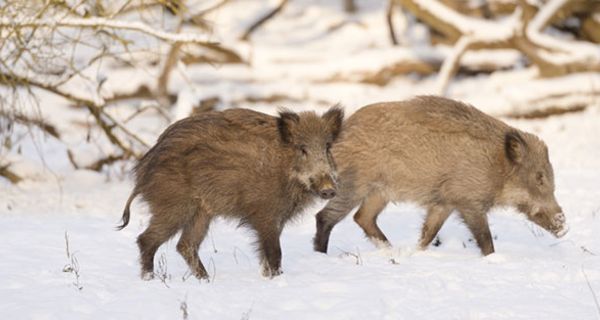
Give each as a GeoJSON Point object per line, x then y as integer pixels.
{"type": "Point", "coordinates": [230, 164]}
{"type": "Point", "coordinates": [445, 156]}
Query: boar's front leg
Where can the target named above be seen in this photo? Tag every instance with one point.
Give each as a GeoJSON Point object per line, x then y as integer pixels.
{"type": "Point", "coordinates": [436, 216]}
{"type": "Point", "coordinates": [366, 218]}
{"type": "Point", "coordinates": [270, 248]}
{"type": "Point", "coordinates": [335, 210]}
{"type": "Point", "coordinates": [476, 220]}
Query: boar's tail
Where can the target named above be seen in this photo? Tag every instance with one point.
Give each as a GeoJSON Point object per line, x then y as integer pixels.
{"type": "Point", "coordinates": [125, 217]}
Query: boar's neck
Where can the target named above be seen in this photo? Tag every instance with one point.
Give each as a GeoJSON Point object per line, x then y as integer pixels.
{"type": "Point", "coordinates": [299, 197]}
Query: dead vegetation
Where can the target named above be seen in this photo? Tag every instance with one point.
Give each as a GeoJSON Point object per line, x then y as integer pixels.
{"type": "Point", "coordinates": [36, 35]}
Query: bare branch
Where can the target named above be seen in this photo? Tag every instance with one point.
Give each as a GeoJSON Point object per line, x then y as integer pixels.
{"type": "Point", "coordinates": [36, 122]}
{"type": "Point", "coordinates": [95, 108]}
{"type": "Point", "coordinates": [263, 20]}
{"type": "Point", "coordinates": [389, 18]}
{"type": "Point", "coordinates": [96, 22]}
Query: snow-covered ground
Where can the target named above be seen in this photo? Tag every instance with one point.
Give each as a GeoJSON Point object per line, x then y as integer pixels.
{"type": "Point", "coordinates": [531, 276]}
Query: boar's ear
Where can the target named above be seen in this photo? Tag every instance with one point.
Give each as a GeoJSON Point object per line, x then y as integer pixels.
{"type": "Point", "coordinates": [285, 124]}
{"type": "Point", "coordinates": [515, 147]}
{"type": "Point", "coordinates": [334, 118]}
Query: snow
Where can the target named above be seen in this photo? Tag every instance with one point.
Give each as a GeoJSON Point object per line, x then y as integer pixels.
{"type": "Point", "coordinates": [532, 275]}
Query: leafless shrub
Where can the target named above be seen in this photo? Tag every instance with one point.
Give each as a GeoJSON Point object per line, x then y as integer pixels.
{"type": "Point", "coordinates": [65, 48]}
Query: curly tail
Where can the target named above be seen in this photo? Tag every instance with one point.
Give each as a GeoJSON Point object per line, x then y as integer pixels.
{"type": "Point", "coordinates": [125, 217]}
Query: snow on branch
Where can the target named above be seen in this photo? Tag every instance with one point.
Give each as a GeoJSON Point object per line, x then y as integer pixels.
{"type": "Point", "coordinates": [563, 52]}
{"type": "Point", "coordinates": [552, 56]}
{"type": "Point", "coordinates": [97, 22]}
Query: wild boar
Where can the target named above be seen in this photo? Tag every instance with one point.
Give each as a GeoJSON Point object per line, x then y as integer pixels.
{"type": "Point", "coordinates": [260, 169]}
{"type": "Point", "coordinates": [443, 155]}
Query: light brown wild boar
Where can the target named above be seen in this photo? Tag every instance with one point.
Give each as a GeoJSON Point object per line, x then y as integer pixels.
{"type": "Point", "coordinates": [237, 163]}
{"type": "Point", "coordinates": [444, 155]}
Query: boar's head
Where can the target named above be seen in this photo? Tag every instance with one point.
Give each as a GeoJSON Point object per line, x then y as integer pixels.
{"type": "Point", "coordinates": [311, 137]}
{"type": "Point", "coordinates": [530, 185]}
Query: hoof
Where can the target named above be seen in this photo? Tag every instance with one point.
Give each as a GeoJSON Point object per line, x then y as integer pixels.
{"type": "Point", "coordinates": [203, 277]}
{"type": "Point", "coordinates": [269, 272]}
{"type": "Point", "coordinates": [147, 275]}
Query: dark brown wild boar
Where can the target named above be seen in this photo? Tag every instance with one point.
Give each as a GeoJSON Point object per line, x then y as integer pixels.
{"type": "Point", "coordinates": [237, 163]}
{"type": "Point", "coordinates": [444, 155]}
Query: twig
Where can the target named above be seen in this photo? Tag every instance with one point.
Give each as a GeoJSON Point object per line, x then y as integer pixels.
{"type": "Point", "coordinates": [389, 18]}
{"type": "Point", "coordinates": [95, 108]}
{"type": "Point", "coordinates": [591, 290]}
{"type": "Point", "coordinates": [210, 9]}
{"type": "Point", "coordinates": [96, 22]}
{"type": "Point", "coordinates": [586, 250]}
{"type": "Point", "coordinates": [40, 123]}
{"type": "Point", "coordinates": [263, 20]}
{"type": "Point", "coordinates": [184, 308]}
{"type": "Point", "coordinates": [110, 159]}
{"type": "Point", "coordinates": [163, 79]}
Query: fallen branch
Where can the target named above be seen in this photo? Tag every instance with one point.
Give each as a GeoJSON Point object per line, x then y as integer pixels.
{"type": "Point", "coordinates": [522, 31]}
{"type": "Point", "coordinates": [553, 105]}
{"type": "Point", "coordinates": [548, 112]}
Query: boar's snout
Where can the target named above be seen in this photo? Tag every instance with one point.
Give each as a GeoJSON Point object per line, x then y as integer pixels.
{"type": "Point", "coordinates": [561, 226]}
{"type": "Point", "coordinates": [324, 186]}
{"type": "Point", "coordinates": [327, 193]}
{"type": "Point", "coordinates": [553, 221]}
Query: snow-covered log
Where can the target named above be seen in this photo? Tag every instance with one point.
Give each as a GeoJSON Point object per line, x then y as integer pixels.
{"type": "Point", "coordinates": [522, 31]}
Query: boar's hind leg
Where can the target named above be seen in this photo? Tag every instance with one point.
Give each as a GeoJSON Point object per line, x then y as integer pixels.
{"type": "Point", "coordinates": [477, 222]}
{"type": "Point", "coordinates": [191, 237]}
{"type": "Point", "coordinates": [270, 248]}
{"type": "Point", "coordinates": [436, 216]}
{"type": "Point", "coordinates": [159, 231]}
{"type": "Point", "coordinates": [335, 210]}
{"type": "Point", "coordinates": [366, 218]}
